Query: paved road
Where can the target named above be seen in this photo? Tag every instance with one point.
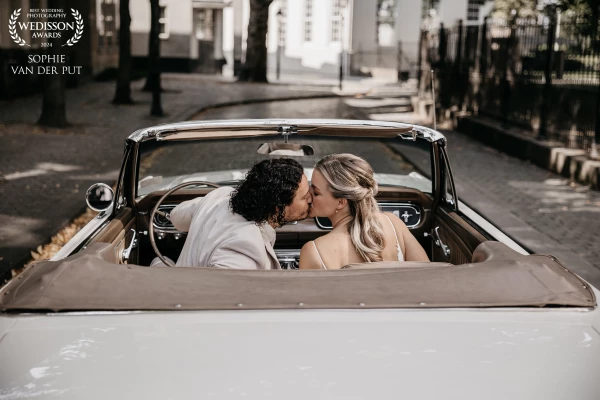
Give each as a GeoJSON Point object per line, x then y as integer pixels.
{"type": "Point", "coordinates": [535, 206]}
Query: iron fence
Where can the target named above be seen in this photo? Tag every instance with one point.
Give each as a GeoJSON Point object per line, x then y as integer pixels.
{"type": "Point", "coordinates": [540, 75]}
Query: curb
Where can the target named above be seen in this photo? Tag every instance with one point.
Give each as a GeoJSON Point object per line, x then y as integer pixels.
{"type": "Point", "coordinates": [269, 100]}
{"type": "Point", "coordinates": [573, 164]}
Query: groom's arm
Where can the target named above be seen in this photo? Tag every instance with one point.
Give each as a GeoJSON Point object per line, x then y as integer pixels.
{"type": "Point", "coordinates": [182, 215]}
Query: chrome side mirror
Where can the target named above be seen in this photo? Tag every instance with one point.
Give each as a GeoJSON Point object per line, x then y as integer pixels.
{"type": "Point", "coordinates": [99, 197]}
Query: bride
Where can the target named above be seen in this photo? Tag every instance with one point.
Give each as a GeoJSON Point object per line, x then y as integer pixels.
{"type": "Point", "coordinates": [343, 190]}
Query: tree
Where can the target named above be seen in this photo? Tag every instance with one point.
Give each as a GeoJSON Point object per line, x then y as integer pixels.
{"type": "Point", "coordinates": [123, 90]}
{"type": "Point", "coordinates": [582, 16]}
{"type": "Point", "coordinates": [153, 81]}
{"type": "Point", "coordinates": [511, 10]}
{"type": "Point", "coordinates": [54, 109]}
{"type": "Point", "coordinates": [153, 47]}
{"type": "Point", "coordinates": [255, 66]}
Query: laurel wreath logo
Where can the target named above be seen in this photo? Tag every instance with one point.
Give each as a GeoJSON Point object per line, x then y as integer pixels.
{"type": "Point", "coordinates": [78, 29]}
{"type": "Point", "coordinates": [12, 29]}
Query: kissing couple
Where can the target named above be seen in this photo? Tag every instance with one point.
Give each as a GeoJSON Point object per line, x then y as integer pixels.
{"type": "Point", "coordinates": [236, 227]}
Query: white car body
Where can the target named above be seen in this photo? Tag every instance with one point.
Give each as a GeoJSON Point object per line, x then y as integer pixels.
{"type": "Point", "coordinates": [300, 354]}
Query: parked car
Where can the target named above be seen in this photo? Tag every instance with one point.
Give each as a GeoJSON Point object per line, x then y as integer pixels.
{"type": "Point", "coordinates": [484, 320]}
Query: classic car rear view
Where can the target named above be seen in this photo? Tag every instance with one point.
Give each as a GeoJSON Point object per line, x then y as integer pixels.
{"type": "Point", "coordinates": [485, 319]}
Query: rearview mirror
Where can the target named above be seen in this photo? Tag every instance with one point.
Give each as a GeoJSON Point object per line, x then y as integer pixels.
{"type": "Point", "coordinates": [285, 149]}
{"type": "Point", "coordinates": [99, 197]}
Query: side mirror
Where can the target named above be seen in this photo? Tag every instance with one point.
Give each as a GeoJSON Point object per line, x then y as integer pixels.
{"type": "Point", "coordinates": [99, 197]}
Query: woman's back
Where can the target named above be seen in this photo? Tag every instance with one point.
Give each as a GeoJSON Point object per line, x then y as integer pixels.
{"type": "Point", "coordinates": [343, 189]}
{"type": "Point", "coordinates": [336, 248]}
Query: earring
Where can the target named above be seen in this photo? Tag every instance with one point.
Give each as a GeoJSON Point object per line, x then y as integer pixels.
{"type": "Point", "coordinates": [336, 211]}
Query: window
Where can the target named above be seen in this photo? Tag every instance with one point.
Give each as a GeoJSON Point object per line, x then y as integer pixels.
{"type": "Point", "coordinates": [429, 5]}
{"type": "Point", "coordinates": [447, 183]}
{"type": "Point", "coordinates": [163, 23]}
{"type": "Point", "coordinates": [386, 36]}
{"type": "Point", "coordinates": [282, 23]}
{"type": "Point", "coordinates": [336, 21]}
{"type": "Point", "coordinates": [308, 14]}
{"type": "Point", "coordinates": [473, 10]}
{"type": "Point", "coordinates": [108, 23]}
{"type": "Point", "coordinates": [204, 24]}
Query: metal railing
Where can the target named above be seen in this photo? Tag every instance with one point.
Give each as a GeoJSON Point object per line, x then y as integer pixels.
{"type": "Point", "coordinates": [544, 77]}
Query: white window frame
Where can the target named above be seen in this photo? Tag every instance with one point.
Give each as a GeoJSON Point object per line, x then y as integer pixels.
{"type": "Point", "coordinates": [336, 19]}
{"type": "Point", "coordinates": [308, 21]}
{"type": "Point", "coordinates": [208, 26]}
{"type": "Point", "coordinates": [473, 10]}
{"type": "Point", "coordinates": [163, 21]}
{"type": "Point", "coordinates": [283, 27]}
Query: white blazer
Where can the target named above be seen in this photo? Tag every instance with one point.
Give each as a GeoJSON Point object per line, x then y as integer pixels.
{"type": "Point", "coordinates": [217, 237]}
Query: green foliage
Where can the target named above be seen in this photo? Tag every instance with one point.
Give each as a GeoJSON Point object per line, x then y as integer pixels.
{"type": "Point", "coordinates": [511, 10]}
{"type": "Point", "coordinates": [582, 13]}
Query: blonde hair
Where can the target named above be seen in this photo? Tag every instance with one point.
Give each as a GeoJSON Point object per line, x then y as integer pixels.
{"type": "Point", "coordinates": [351, 177]}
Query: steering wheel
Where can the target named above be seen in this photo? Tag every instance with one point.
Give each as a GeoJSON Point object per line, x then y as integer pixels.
{"type": "Point", "coordinates": [167, 216]}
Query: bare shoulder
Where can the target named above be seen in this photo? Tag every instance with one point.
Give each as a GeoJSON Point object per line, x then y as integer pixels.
{"type": "Point", "coordinates": [308, 257]}
{"type": "Point", "coordinates": [398, 223]}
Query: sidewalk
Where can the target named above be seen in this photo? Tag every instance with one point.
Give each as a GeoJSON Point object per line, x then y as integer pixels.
{"type": "Point", "coordinates": [44, 173]}
{"type": "Point", "coordinates": [574, 164]}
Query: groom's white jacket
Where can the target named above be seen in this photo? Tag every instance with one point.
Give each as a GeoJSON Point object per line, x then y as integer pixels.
{"type": "Point", "coordinates": [217, 237]}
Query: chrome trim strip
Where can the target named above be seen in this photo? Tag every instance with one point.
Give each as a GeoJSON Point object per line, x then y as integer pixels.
{"type": "Point", "coordinates": [491, 229]}
{"type": "Point", "coordinates": [386, 204]}
{"type": "Point", "coordinates": [320, 225]}
{"type": "Point", "coordinates": [160, 131]}
{"type": "Point", "coordinates": [409, 205]}
{"type": "Point", "coordinates": [83, 235]}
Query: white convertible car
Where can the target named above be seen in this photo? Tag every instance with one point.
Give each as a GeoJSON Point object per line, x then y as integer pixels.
{"type": "Point", "coordinates": [484, 320]}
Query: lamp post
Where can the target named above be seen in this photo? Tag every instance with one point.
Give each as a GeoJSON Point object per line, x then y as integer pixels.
{"type": "Point", "coordinates": [343, 4]}
{"type": "Point", "coordinates": [279, 44]}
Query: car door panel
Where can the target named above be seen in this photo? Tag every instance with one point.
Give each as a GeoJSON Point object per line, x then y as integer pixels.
{"type": "Point", "coordinates": [454, 232]}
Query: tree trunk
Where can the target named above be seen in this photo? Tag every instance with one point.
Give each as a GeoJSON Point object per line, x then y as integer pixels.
{"type": "Point", "coordinates": [255, 66]}
{"type": "Point", "coordinates": [153, 81]}
{"type": "Point", "coordinates": [123, 90]}
{"type": "Point", "coordinates": [54, 110]}
{"type": "Point", "coordinates": [153, 78]}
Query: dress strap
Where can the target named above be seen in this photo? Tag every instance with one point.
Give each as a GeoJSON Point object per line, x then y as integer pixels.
{"type": "Point", "coordinates": [317, 250]}
{"type": "Point", "coordinates": [400, 255]}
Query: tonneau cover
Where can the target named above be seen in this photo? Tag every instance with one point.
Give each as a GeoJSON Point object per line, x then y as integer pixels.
{"type": "Point", "coordinates": [498, 277]}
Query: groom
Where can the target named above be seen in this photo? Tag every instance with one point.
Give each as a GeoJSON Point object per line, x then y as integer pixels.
{"type": "Point", "coordinates": [235, 228]}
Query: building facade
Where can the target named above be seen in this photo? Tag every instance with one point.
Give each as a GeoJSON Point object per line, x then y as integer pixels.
{"type": "Point", "coordinates": [191, 33]}
{"type": "Point", "coordinates": [429, 14]}
{"type": "Point", "coordinates": [306, 36]}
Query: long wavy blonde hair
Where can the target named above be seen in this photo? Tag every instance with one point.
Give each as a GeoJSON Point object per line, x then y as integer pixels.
{"type": "Point", "coordinates": [351, 177]}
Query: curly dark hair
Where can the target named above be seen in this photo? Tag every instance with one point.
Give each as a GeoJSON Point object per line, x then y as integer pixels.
{"type": "Point", "coordinates": [269, 187]}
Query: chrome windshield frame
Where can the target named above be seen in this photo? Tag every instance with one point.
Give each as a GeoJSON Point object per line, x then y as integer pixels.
{"type": "Point", "coordinates": [199, 130]}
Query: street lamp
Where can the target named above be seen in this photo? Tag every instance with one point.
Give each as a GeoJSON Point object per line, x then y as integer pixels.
{"type": "Point", "coordinates": [343, 4]}
{"type": "Point", "coordinates": [279, 41]}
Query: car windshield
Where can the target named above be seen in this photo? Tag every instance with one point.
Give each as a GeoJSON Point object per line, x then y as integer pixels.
{"type": "Point", "coordinates": [397, 162]}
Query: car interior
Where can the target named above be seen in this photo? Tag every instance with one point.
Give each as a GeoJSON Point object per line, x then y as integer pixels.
{"type": "Point", "coordinates": [410, 205]}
